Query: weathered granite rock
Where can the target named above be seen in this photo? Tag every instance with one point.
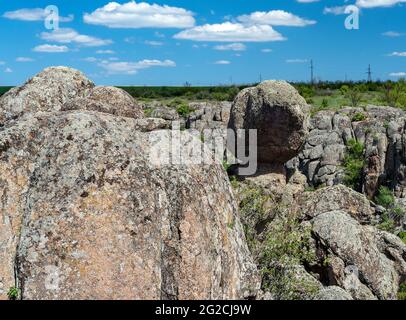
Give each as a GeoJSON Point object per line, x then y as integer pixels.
{"type": "Point", "coordinates": [279, 114]}
{"type": "Point", "coordinates": [47, 91]}
{"type": "Point", "coordinates": [382, 134]}
{"type": "Point", "coordinates": [164, 113]}
{"type": "Point", "coordinates": [86, 214]}
{"type": "Point", "coordinates": [360, 248]}
{"type": "Point", "coordinates": [110, 100]}
{"type": "Point", "coordinates": [333, 293]}
{"type": "Point", "coordinates": [337, 197]}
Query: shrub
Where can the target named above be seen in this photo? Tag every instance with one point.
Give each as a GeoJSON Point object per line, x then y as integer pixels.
{"type": "Point", "coordinates": [387, 224]}
{"type": "Point", "coordinates": [184, 110]}
{"type": "Point", "coordinates": [402, 236]}
{"type": "Point", "coordinates": [359, 116]}
{"type": "Point", "coordinates": [353, 164]}
{"type": "Point", "coordinates": [385, 197]}
{"type": "Point", "coordinates": [402, 292]}
{"type": "Point", "coordinates": [324, 103]}
{"type": "Point", "coordinates": [354, 95]}
{"type": "Point", "coordinates": [286, 246]}
{"type": "Point", "coordinates": [13, 293]}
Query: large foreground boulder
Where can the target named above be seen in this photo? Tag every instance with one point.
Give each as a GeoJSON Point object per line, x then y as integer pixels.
{"type": "Point", "coordinates": [108, 100]}
{"type": "Point", "coordinates": [48, 90]}
{"type": "Point", "coordinates": [86, 214]}
{"type": "Point", "coordinates": [279, 114]}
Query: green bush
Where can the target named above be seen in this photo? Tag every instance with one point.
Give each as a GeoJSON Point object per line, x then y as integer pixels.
{"type": "Point", "coordinates": [402, 292]}
{"type": "Point", "coordinates": [402, 236]}
{"type": "Point", "coordinates": [13, 293]}
{"type": "Point", "coordinates": [354, 95]}
{"type": "Point", "coordinates": [385, 197]}
{"type": "Point", "coordinates": [286, 246]}
{"type": "Point", "coordinates": [353, 164]}
{"type": "Point", "coordinates": [324, 103]}
{"type": "Point", "coordinates": [359, 116]}
{"type": "Point", "coordinates": [184, 110]}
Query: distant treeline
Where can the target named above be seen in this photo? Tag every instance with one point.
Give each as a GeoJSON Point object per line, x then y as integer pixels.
{"type": "Point", "coordinates": [220, 93]}
{"type": "Point", "coordinates": [3, 90]}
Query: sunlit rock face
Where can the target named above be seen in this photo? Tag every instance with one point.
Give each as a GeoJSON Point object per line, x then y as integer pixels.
{"type": "Point", "coordinates": [85, 214]}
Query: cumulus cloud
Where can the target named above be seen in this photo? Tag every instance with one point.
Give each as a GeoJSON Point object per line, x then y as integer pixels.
{"type": "Point", "coordinates": [275, 18]}
{"type": "Point", "coordinates": [266, 50]}
{"type": "Point", "coordinates": [66, 35]}
{"type": "Point", "coordinates": [230, 32]}
{"type": "Point", "coordinates": [222, 62]}
{"type": "Point", "coordinates": [392, 34]}
{"type": "Point", "coordinates": [378, 3]}
{"type": "Point", "coordinates": [24, 59]}
{"type": "Point", "coordinates": [296, 60]}
{"type": "Point", "coordinates": [32, 14]}
{"type": "Point", "coordinates": [398, 54]}
{"type": "Point", "coordinates": [231, 47]}
{"type": "Point", "coordinates": [154, 43]}
{"type": "Point", "coordinates": [50, 48]}
{"type": "Point", "coordinates": [123, 67]}
{"type": "Point", "coordinates": [105, 52]}
{"type": "Point", "coordinates": [8, 70]}
{"type": "Point", "coordinates": [140, 15]}
{"type": "Point", "coordinates": [335, 10]}
{"type": "Point", "coordinates": [398, 74]}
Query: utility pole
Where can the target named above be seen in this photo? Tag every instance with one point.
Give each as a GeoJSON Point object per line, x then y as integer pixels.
{"type": "Point", "coordinates": [260, 78]}
{"type": "Point", "coordinates": [311, 72]}
{"type": "Point", "coordinates": [369, 72]}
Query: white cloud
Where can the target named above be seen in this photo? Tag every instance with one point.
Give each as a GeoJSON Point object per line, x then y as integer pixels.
{"type": "Point", "coordinates": [51, 48]}
{"type": "Point", "coordinates": [230, 32]}
{"type": "Point", "coordinates": [24, 59]}
{"type": "Point", "coordinates": [296, 60]}
{"type": "Point", "coordinates": [153, 43]}
{"type": "Point", "coordinates": [123, 67]}
{"type": "Point", "coordinates": [140, 15]}
{"type": "Point", "coordinates": [90, 59]}
{"type": "Point", "coordinates": [222, 62]}
{"type": "Point", "coordinates": [397, 74]}
{"type": "Point", "coordinates": [398, 54]}
{"type": "Point", "coordinates": [8, 70]}
{"type": "Point", "coordinates": [275, 18]}
{"type": "Point", "coordinates": [105, 52]}
{"type": "Point", "coordinates": [66, 35]}
{"type": "Point", "coordinates": [335, 10]}
{"type": "Point", "coordinates": [377, 3]}
{"type": "Point", "coordinates": [391, 34]}
{"type": "Point", "coordinates": [231, 47]}
{"type": "Point", "coordinates": [32, 14]}
{"type": "Point", "coordinates": [266, 50]}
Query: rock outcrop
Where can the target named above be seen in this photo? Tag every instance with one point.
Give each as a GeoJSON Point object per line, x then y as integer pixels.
{"type": "Point", "coordinates": [86, 214]}
{"type": "Point", "coordinates": [381, 132]}
{"type": "Point", "coordinates": [48, 90]}
{"type": "Point", "coordinates": [110, 100]}
{"type": "Point", "coordinates": [278, 113]}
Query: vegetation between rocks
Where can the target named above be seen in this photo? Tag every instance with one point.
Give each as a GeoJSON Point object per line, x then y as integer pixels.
{"type": "Point", "coordinates": [353, 164]}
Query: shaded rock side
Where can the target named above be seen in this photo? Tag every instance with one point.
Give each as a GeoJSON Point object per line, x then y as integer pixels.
{"type": "Point", "coordinates": [279, 114]}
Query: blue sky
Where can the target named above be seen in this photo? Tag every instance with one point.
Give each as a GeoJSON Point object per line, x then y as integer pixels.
{"type": "Point", "coordinates": [208, 42]}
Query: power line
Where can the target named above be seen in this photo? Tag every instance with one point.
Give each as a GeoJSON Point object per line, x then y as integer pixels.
{"type": "Point", "coordinates": [369, 72]}
{"type": "Point", "coordinates": [311, 72]}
